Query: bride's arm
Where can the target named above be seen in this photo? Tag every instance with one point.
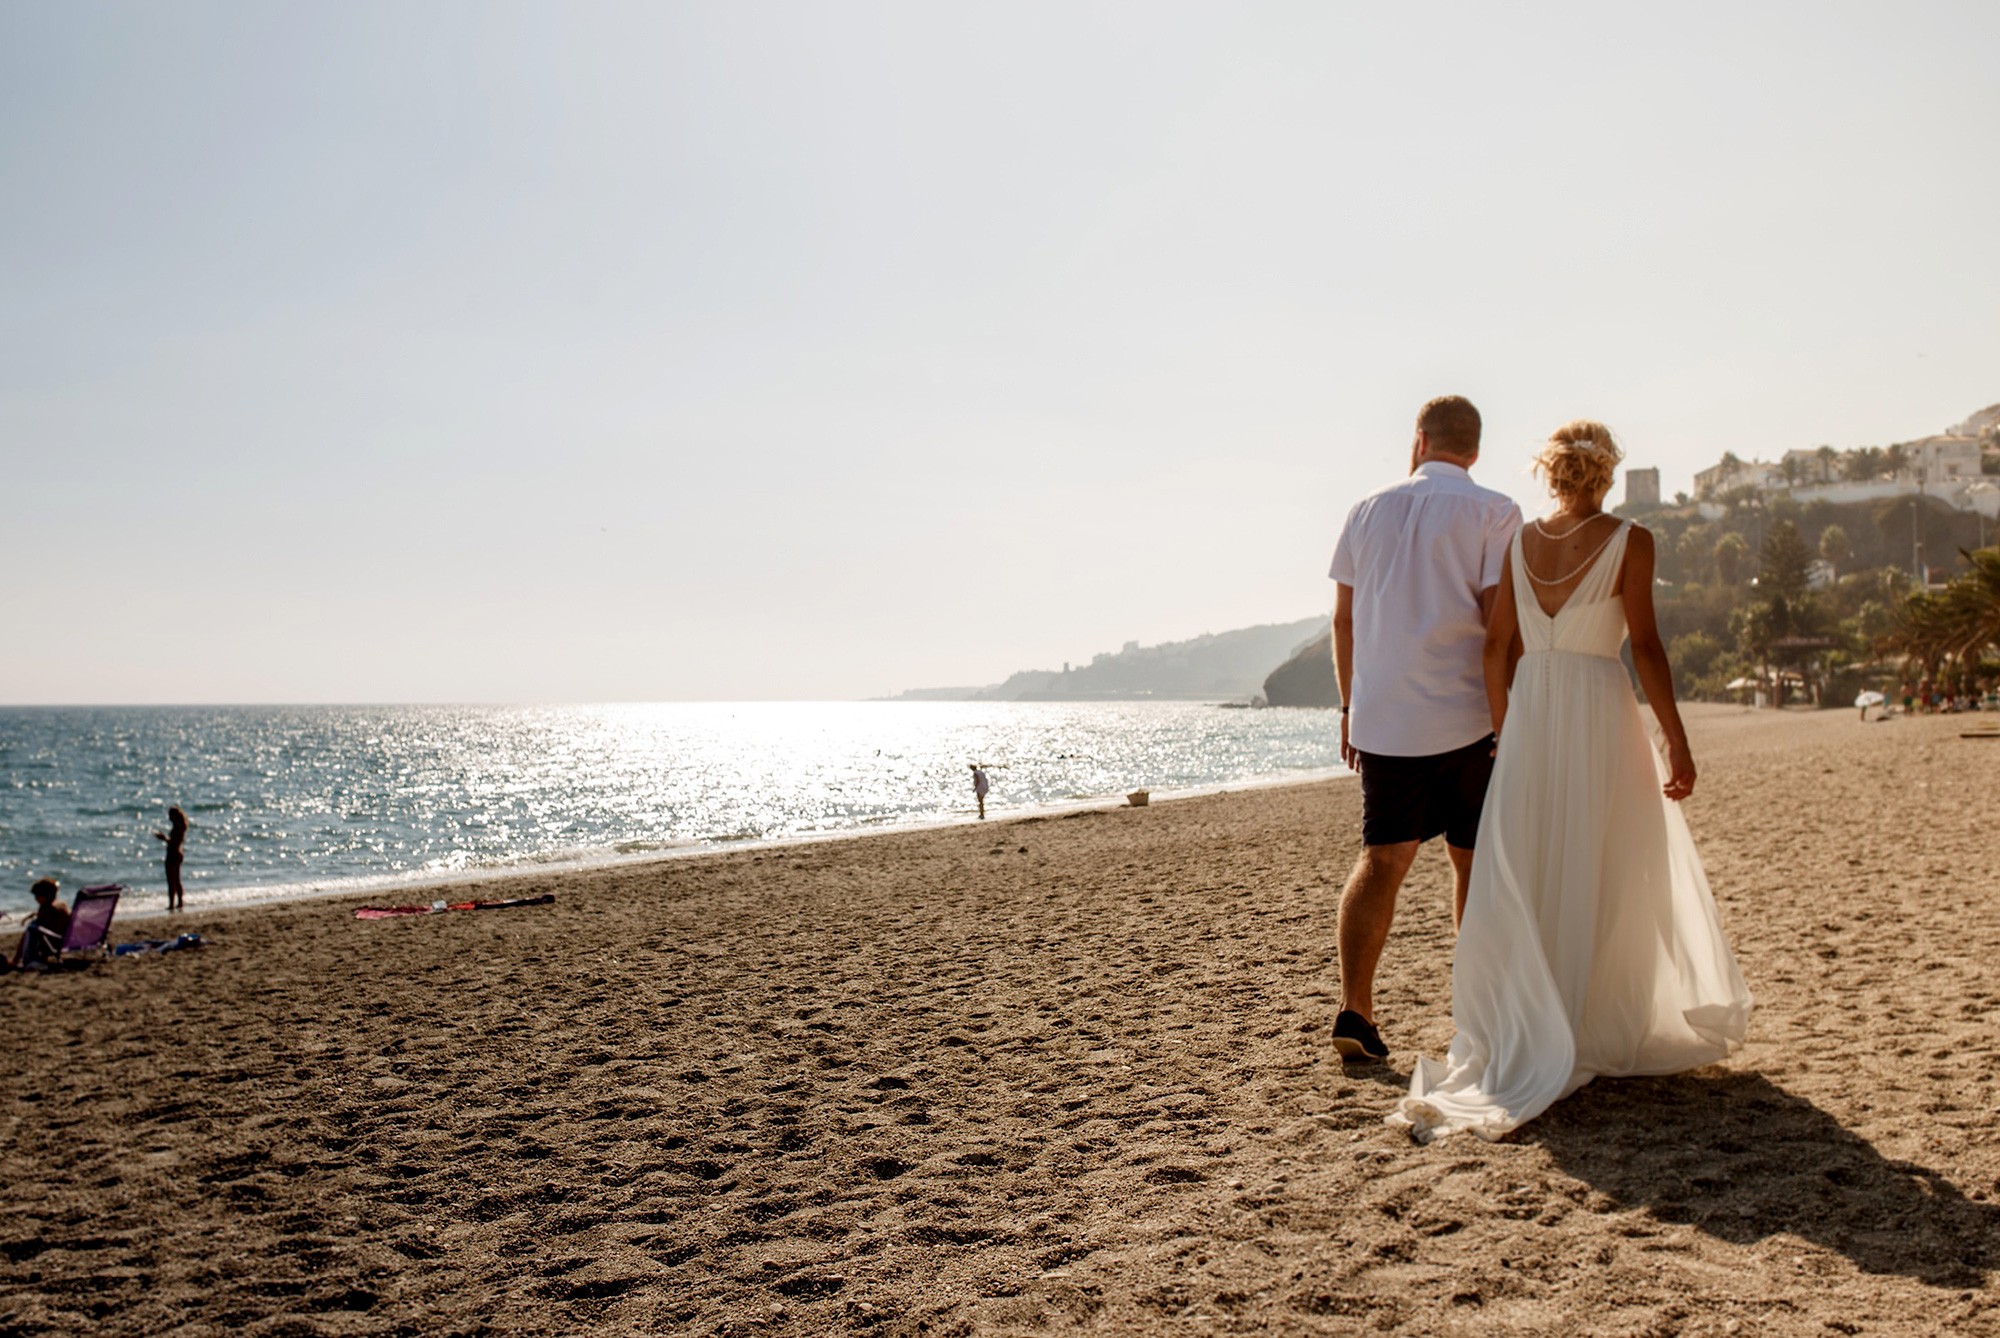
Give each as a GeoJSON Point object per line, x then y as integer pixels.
{"type": "Point", "coordinates": [1503, 647]}
{"type": "Point", "coordinates": [1649, 657]}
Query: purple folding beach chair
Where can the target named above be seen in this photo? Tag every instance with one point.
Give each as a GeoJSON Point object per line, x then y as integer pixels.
{"type": "Point", "coordinates": [89, 921]}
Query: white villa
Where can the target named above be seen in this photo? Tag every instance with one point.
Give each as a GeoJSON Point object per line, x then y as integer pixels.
{"type": "Point", "coordinates": [1942, 461]}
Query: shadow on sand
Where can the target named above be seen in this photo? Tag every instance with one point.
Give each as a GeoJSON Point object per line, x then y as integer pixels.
{"type": "Point", "coordinates": [1740, 1158]}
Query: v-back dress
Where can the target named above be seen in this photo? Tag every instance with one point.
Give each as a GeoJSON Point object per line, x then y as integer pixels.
{"type": "Point", "coordinates": [1591, 943]}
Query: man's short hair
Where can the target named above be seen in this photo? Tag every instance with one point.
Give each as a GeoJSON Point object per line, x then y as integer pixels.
{"type": "Point", "coordinates": [1451, 424]}
{"type": "Point", "coordinates": [47, 885]}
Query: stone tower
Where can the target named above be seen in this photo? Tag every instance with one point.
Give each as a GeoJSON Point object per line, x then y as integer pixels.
{"type": "Point", "coordinates": [1642, 490]}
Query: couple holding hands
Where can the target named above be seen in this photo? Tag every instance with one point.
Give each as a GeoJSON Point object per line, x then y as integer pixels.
{"type": "Point", "coordinates": [1484, 701]}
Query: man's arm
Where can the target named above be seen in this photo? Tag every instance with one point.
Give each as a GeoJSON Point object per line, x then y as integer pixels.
{"type": "Point", "coordinates": [1343, 658]}
{"type": "Point", "coordinates": [1502, 650]}
{"type": "Point", "coordinates": [1496, 601]}
{"type": "Point", "coordinates": [1489, 600]}
{"type": "Point", "coordinates": [1494, 565]}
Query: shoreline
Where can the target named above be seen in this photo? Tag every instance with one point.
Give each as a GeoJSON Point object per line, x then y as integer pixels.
{"type": "Point", "coordinates": [281, 894]}
{"type": "Point", "coordinates": [387, 885]}
{"type": "Point", "coordinates": [422, 805]}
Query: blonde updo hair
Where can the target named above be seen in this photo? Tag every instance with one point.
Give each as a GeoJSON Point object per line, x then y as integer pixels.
{"type": "Point", "coordinates": [1579, 459]}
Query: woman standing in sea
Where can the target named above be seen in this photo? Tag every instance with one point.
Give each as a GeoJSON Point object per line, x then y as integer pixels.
{"type": "Point", "coordinates": [174, 836]}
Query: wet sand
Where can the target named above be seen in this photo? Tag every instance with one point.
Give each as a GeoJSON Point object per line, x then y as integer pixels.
{"type": "Point", "coordinates": [1061, 1074]}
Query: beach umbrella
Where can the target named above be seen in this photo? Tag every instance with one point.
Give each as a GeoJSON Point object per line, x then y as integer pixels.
{"type": "Point", "coordinates": [1738, 684]}
{"type": "Point", "coordinates": [1868, 699]}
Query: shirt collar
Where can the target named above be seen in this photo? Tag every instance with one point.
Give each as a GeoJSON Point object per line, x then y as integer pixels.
{"type": "Point", "coordinates": [1443, 469]}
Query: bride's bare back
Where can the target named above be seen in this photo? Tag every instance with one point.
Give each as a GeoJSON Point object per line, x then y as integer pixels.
{"type": "Point", "coordinates": [1561, 552]}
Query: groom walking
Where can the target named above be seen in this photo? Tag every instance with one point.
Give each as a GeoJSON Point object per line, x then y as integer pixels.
{"type": "Point", "coordinates": [1418, 567]}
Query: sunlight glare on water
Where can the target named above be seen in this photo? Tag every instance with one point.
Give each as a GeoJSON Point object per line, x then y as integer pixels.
{"type": "Point", "coordinates": [294, 800]}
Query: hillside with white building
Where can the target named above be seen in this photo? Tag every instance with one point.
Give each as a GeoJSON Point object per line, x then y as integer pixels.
{"type": "Point", "coordinates": [1959, 467]}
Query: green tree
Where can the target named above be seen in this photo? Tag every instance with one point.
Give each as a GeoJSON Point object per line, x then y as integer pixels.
{"type": "Point", "coordinates": [1693, 654]}
{"type": "Point", "coordinates": [1865, 464]}
{"type": "Point", "coordinates": [1785, 559]}
{"type": "Point", "coordinates": [1693, 548]}
{"type": "Point", "coordinates": [1960, 622]}
{"type": "Point", "coordinates": [1730, 550]}
{"type": "Point", "coordinates": [1833, 545]}
{"type": "Point", "coordinates": [1895, 459]}
{"type": "Point", "coordinates": [1828, 459]}
{"type": "Point", "coordinates": [1759, 624]}
{"type": "Point", "coordinates": [1870, 623]}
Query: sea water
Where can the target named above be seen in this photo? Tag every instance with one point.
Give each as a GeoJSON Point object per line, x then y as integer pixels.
{"type": "Point", "coordinates": [296, 801]}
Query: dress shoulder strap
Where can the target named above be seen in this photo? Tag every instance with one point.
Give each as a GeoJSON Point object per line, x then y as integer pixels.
{"type": "Point", "coordinates": [1604, 572]}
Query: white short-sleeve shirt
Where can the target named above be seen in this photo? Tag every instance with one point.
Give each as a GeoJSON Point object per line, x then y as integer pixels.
{"type": "Point", "coordinates": [1417, 554]}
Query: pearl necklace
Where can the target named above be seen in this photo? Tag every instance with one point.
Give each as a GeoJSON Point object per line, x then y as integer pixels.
{"type": "Point", "coordinates": [1542, 525]}
{"type": "Point", "coordinates": [1580, 567]}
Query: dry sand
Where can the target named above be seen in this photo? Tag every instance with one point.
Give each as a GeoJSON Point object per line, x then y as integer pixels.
{"type": "Point", "coordinates": [1048, 1075]}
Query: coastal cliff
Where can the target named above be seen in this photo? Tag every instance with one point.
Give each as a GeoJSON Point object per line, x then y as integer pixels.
{"type": "Point", "coordinates": [1306, 679]}
{"type": "Point", "coordinates": [1221, 666]}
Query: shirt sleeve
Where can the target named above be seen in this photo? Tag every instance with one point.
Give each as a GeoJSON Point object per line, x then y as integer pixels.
{"type": "Point", "coordinates": [1498, 536]}
{"type": "Point", "coordinates": [1343, 552]}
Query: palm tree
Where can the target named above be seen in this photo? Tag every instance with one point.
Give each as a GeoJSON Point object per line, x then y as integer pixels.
{"type": "Point", "coordinates": [1895, 459]}
{"type": "Point", "coordinates": [1960, 622]}
{"type": "Point", "coordinates": [1833, 545]}
{"type": "Point", "coordinates": [1827, 457]}
{"type": "Point", "coordinates": [1690, 549]}
{"type": "Point", "coordinates": [1730, 550]}
{"type": "Point", "coordinates": [1864, 464]}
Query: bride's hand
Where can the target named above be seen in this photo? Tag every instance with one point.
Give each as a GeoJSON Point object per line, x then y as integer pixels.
{"type": "Point", "coordinates": [1680, 772]}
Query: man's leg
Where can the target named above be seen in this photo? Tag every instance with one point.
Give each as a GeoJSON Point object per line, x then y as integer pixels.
{"type": "Point", "coordinates": [1461, 830]}
{"type": "Point", "coordinates": [1461, 880]}
{"type": "Point", "coordinates": [1366, 909]}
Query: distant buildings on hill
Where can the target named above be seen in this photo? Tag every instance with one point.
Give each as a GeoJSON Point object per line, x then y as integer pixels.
{"type": "Point", "coordinates": [1949, 467]}
{"type": "Point", "coordinates": [1935, 462]}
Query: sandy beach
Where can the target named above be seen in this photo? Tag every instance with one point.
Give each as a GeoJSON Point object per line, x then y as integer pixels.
{"type": "Point", "coordinates": [1056, 1074]}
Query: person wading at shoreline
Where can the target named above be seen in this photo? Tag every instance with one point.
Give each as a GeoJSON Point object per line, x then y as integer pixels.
{"type": "Point", "coordinates": [1418, 565]}
{"type": "Point", "coordinates": [176, 837]}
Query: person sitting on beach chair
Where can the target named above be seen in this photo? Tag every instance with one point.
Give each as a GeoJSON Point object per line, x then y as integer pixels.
{"type": "Point", "coordinates": [57, 931]}
{"type": "Point", "coordinates": [42, 940]}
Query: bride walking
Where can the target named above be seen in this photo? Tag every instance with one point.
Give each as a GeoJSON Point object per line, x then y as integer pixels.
{"type": "Point", "coordinates": [1590, 944]}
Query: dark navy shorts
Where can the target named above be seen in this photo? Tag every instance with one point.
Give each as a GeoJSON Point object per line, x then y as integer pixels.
{"type": "Point", "coordinates": [1416, 798]}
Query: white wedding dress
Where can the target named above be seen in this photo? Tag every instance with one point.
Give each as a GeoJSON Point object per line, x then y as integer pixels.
{"type": "Point", "coordinates": [1591, 944]}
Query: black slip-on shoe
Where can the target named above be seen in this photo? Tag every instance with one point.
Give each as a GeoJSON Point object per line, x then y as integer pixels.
{"type": "Point", "coordinates": [1356, 1038]}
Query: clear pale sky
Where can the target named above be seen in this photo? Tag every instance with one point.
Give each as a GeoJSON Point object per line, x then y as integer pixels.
{"type": "Point", "coordinates": [501, 352]}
